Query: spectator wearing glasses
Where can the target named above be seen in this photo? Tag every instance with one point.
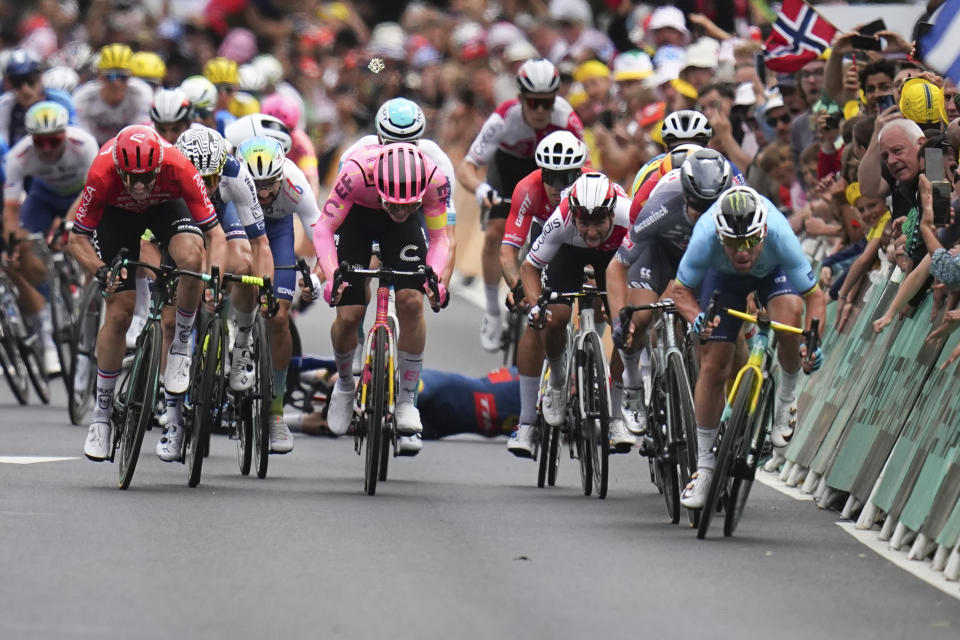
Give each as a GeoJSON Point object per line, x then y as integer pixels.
{"type": "Point", "coordinates": [22, 76]}
{"type": "Point", "coordinates": [777, 117]}
{"type": "Point", "coordinates": [811, 85]}
{"type": "Point", "coordinates": [114, 99]}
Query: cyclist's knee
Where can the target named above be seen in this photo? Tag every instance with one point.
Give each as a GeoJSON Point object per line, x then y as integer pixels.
{"type": "Point", "coordinates": [493, 236]}
{"type": "Point", "coordinates": [559, 317]}
{"type": "Point", "coordinates": [409, 303]}
{"type": "Point", "coordinates": [186, 249]}
{"type": "Point", "coordinates": [119, 310]}
{"type": "Point", "coordinates": [350, 316]}
{"type": "Point", "coordinates": [786, 309]}
{"type": "Point", "coordinates": [239, 257]}
{"type": "Point", "coordinates": [716, 362]}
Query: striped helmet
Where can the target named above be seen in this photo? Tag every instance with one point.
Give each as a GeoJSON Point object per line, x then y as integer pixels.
{"type": "Point", "coordinates": [263, 156]}
{"type": "Point", "coordinates": [45, 118]}
{"type": "Point", "coordinates": [205, 148]}
{"type": "Point", "coordinates": [401, 174]}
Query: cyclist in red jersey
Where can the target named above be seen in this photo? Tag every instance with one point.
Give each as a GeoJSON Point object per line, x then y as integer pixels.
{"type": "Point", "coordinates": [139, 181]}
{"type": "Point", "coordinates": [561, 157]}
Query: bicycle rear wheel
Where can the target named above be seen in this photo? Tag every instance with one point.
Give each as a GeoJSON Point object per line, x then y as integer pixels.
{"type": "Point", "coordinates": [83, 345]}
{"type": "Point", "coordinates": [597, 402]}
{"type": "Point", "coordinates": [62, 311]}
{"type": "Point", "coordinates": [14, 368]}
{"type": "Point", "coordinates": [662, 465]}
{"type": "Point", "coordinates": [544, 436]}
{"type": "Point", "coordinates": [257, 406]}
{"type": "Point", "coordinates": [748, 458]}
{"type": "Point", "coordinates": [207, 365]}
{"type": "Point", "coordinates": [730, 437]}
{"type": "Point", "coordinates": [375, 411]}
{"type": "Point", "coordinates": [139, 401]}
{"type": "Point", "coordinates": [31, 350]}
{"type": "Point", "coordinates": [683, 424]}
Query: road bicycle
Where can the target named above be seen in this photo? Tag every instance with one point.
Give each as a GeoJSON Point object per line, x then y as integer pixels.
{"type": "Point", "coordinates": [21, 349]}
{"type": "Point", "coordinates": [671, 423]}
{"type": "Point", "coordinates": [588, 403]}
{"type": "Point", "coordinates": [375, 428]}
{"type": "Point", "coordinates": [746, 420]}
{"type": "Point", "coordinates": [135, 401]}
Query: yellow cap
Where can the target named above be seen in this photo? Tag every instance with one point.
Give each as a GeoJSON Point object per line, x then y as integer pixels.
{"type": "Point", "coordinates": [851, 109]}
{"type": "Point", "coordinates": [577, 98]}
{"type": "Point", "coordinates": [333, 11]}
{"type": "Point", "coordinates": [685, 89]}
{"type": "Point", "coordinates": [148, 65]}
{"type": "Point", "coordinates": [922, 101]}
{"type": "Point", "coordinates": [243, 104]}
{"type": "Point", "coordinates": [114, 56]}
{"type": "Point", "coordinates": [591, 69]}
{"type": "Point", "coordinates": [656, 134]}
{"type": "Point", "coordinates": [221, 71]}
{"type": "Point", "coordinates": [853, 193]}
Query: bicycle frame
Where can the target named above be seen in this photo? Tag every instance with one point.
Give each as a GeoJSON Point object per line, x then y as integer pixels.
{"type": "Point", "coordinates": [382, 320]}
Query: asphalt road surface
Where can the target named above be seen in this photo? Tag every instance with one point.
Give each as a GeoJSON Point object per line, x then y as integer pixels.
{"type": "Point", "coordinates": [458, 544]}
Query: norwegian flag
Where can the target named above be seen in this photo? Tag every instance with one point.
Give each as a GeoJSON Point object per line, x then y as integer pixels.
{"type": "Point", "coordinates": [799, 35]}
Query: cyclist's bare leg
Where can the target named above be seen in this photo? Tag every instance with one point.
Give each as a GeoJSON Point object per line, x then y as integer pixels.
{"type": "Point", "coordinates": [410, 343]}
{"type": "Point", "coordinates": [530, 356]}
{"type": "Point", "coordinates": [281, 344]}
{"type": "Point", "coordinates": [555, 341]}
{"type": "Point", "coordinates": [709, 397]}
{"type": "Point", "coordinates": [787, 310]}
{"type": "Point", "coordinates": [110, 340]}
{"type": "Point", "coordinates": [240, 262]}
{"type": "Point", "coordinates": [490, 264]}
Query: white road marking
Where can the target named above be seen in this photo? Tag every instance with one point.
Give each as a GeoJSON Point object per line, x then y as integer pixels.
{"type": "Point", "coordinates": [771, 480]}
{"type": "Point", "coordinates": [33, 459]}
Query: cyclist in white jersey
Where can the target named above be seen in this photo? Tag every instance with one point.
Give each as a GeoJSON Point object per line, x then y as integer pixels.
{"type": "Point", "coordinates": [56, 156]}
{"type": "Point", "coordinates": [282, 190]}
{"type": "Point", "coordinates": [115, 99]}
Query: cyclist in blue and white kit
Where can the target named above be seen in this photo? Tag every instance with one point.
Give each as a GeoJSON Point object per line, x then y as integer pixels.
{"type": "Point", "coordinates": [744, 244]}
{"type": "Point", "coordinates": [22, 73]}
{"type": "Point", "coordinates": [56, 157]}
{"type": "Point", "coordinates": [283, 190]}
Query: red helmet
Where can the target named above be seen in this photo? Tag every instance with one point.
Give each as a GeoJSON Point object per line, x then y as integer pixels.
{"type": "Point", "coordinates": [401, 174]}
{"type": "Point", "coordinates": [592, 197]}
{"type": "Point", "coordinates": [137, 149]}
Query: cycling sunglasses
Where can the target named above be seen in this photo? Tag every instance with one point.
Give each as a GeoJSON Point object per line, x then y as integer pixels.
{"type": "Point", "coordinates": [116, 76]}
{"type": "Point", "coordinates": [226, 88]}
{"type": "Point", "coordinates": [18, 81]}
{"type": "Point", "coordinates": [539, 103]}
{"type": "Point", "coordinates": [597, 215]}
{"type": "Point", "coordinates": [742, 244]}
{"type": "Point", "coordinates": [401, 210]}
{"type": "Point", "coordinates": [269, 187]}
{"type": "Point", "coordinates": [50, 141]}
{"type": "Point", "coordinates": [148, 178]}
{"type": "Point", "coordinates": [171, 129]}
{"type": "Point", "coordinates": [559, 179]}
{"type": "Point", "coordinates": [772, 122]}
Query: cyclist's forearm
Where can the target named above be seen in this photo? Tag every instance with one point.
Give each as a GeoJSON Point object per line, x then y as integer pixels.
{"type": "Point", "coordinates": [816, 307]}
{"type": "Point", "coordinates": [530, 277]}
{"type": "Point", "coordinates": [685, 299]}
{"type": "Point", "coordinates": [469, 175]}
{"type": "Point", "coordinates": [616, 286]}
{"type": "Point", "coordinates": [451, 256]}
{"type": "Point", "coordinates": [81, 247]}
{"type": "Point", "coordinates": [510, 264]}
{"type": "Point", "coordinates": [11, 217]}
{"type": "Point", "coordinates": [262, 257]}
{"type": "Point", "coordinates": [216, 253]}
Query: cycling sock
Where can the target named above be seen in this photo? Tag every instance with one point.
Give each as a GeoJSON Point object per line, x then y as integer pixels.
{"type": "Point", "coordinates": [142, 305]}
{"type": "Point", "coordinates": [181, 341]}
{"type": "Point", "coordinates": [492, 294]}
{"type": "Point", "coordinates": [706, 459]}
{"type": "Point", "coordinates": [174, 409]}
{"type": "Point", "coordinates": [46, 327]}
{"type": "Point", "coordinates": [245, 320]}
{"type": "Point", "coordinates": [787, 392]}
{"type": "Point", "coordinates": [409, 373]}
{"type": "Point", "coordinates": [529, 388]}
{"type": "Point", "coordinates": [279, 390]}
{"type": "Point", "coordinates": [645, 363]}
{"type": "Point", "coordinates": [558, 371]}
{"type": "Point", "coordinates": [631, 369]}
{"type": "Point", "coordinates": [616, 401]}
{"type": "Point", "coordinates": [106, 382]}
{"type": "Point", "coordinates": [345, 370]}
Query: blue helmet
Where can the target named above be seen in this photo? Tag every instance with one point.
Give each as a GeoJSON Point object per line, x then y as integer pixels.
{"type": "Point", "coordinates": [21, 63]}
{"type": "Point", "coordinates": [400, 120]}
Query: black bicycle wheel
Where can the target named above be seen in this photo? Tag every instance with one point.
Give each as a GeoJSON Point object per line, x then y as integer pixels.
{"type": "Point", "coordinates": [258, 406]}
{"type": "Point", "coordinates": [139, 401]}
{"type": "Point", "coordinates": [554, 462]}
{"type": "Point", "coordinates": [62, 311]}
{"type": "Point", "coordinates": [86, 322]}
{"type": "Point", "coordinates": [597, 400]}
{"type": "Point", "coordinates": [748, 458]}
{"type": "Point", "coordinates": [581, 431]}
{"type": "Point", "coordinates": [207, 366]}
{"type": "Point", "coordinates": [385, 443]}
{"type": "Point", "coordinates": [14, 368]}
{"type": "Point", "coordinates": [730, 437]}
{"type": "Point", "coordinates": [375, 411]}
{"type": "Point", "coordinates": [31, 350]}
{"type": "Point", "coordinates": [511, 338]}
{"type": "Point", "coordinates": [544, 436]}
{"type": "Point", "coordinates": [662, 466]}
{"type": "Point", "coordinates": [683, 424]}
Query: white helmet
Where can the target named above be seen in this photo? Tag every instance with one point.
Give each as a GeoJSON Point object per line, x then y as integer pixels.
{"type": "Point", "coordinates": [592, 197]}
{"type": "Point", "coordinates": [686, 125]}
{"type": "Point", "coordinates": [400, 120]}
{"type": "Point", "coordinates": [258, 124]}
{"type": "Point", "coordinates": [269, 66]}
{"type": "Point", "coordinates": [252, 79]}
{"type": "Point", "coordinates": [205, 148]}
{"type": "Point", "coordinates": [202, 94]}
{"type": "Point", "coordinates": [45, 118]}
{"type": "Point", "coordinates": [62, 77]}
{"type": "Point", "coordinates": [170, 105]}
{"type": "Point", "coordinates": [561, 151]}
{"type": "Point", "coordinates": [538, 76]}
{"type": "Point", "coordinates": [740, 213]}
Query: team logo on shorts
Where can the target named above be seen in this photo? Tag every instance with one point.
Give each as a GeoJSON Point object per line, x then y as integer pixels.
{"type": "Point", "coordinates": [409, 253]}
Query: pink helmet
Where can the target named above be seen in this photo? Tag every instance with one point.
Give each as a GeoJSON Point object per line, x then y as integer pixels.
{"type": "Point", "coordinates": [283, 108]}
{"type": "Point", "coordinates": [401, 174]}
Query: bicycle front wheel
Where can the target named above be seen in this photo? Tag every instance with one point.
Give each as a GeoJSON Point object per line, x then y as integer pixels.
{"type": "Point", "coordinates": [258, 406]}
{"type": "Point", "coordinates": [62, 312]}
{"type": "Point", "coordinates": [83, 345]}
{"type": "Point", "coordinates": [748, 458]}
{"type": "Point", "coordinates": [31, 350]}
{"type": "Point", "coordinates": [596, 399]}
{"type": "Point", "coordinates": [375, 411]}
{"type": "Point", "coordinates": [139, 401]}
{"type": "Point", "coordinates": [682, 424]}
{"type": "Point", "coordinates": [13, 365]}
{"type": "Point", "coordinates": [207, 365]}
{"type": "Point", "coordinates": [730, 438]}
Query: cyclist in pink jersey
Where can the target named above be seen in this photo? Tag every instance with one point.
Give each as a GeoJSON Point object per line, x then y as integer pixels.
{"type": "Point", "coordinates": [302, 152]}
{"type": "Point", "coordinates": [377, 196]}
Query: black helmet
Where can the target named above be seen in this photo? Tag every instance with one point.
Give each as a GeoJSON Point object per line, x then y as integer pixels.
{"type": "Point", "coordinates": [705, 174]}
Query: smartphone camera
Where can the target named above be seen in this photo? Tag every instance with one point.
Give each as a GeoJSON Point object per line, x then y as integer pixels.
{"type": "Point", "coordinates": [886, 101]}
{"type": "Point", "coordinates": [933, 169]}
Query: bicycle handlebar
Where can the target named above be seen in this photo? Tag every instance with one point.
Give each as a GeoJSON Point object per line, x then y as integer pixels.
{"type": "Point", "coordinates": [710, 312]}
{"type": "Point", "coordinates": [811, 335]}
{"type": "Point", "coordinates": [665, 305]}
{"type": "Point", "coordinates": [425, 272]}
{"type": "Point", "coordinates": [304, 270]}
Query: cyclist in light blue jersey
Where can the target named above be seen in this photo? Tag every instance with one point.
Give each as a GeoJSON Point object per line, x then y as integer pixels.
{"type": "Point", "coordinates": [741, 245]}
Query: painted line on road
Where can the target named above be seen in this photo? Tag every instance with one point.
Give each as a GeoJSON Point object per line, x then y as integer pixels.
{"type": "Point", "coordinates": [33, 459]}
{"type": "Point", "coordinates": [919, 569]}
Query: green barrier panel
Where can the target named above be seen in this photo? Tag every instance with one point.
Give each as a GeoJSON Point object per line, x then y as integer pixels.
{"type": "Point", "coordinates": [818, 404]}
{"type": "Point", "coordinates": [914, 454]}
{"type": "Point", "coordinates": [884, 407]}
{"type": "Point", "coordinates": [950, 532]}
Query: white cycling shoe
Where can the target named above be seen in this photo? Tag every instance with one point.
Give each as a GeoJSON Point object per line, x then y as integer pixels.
{"type": "Point", "coordinates": [281, 440]}
{"type": "Point", "coordinates": [635, 410]}
{"type": "Point", "coordinates": [408, 420]}
{"type": "Point", "coordinates": [490, 330]}
{"type": "Point", "coordinates": [99, 441]}
{"type": "Point", "coordinates": [409, 445]}
{"type": "Point", "coordinates": [784, 423]}
{"type": "Point", "coordinates": [523, 440]}
{"type": "Point", "coordinates": [621, 440]}
{"type": "Point", "coordinates": [554, 406]}
{"type": "Point", "coordinates": [694, 495]}
{"type": "Point", "coordinates": [242, 371]}
{"type": "Point", "coordinates": [169, 444]}
{"type": "Point", "coordinates": [340, 410]}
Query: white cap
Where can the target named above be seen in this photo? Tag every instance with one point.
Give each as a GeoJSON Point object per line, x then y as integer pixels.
{"type": "Point", "coordinates": [745, 96]}
{"type": "Point", "coordinates": [774, 100]}
{"type": "Point", "coordinates": [501, 34]}
{"type": "Point", "coordinates": [467, 32]}
{"type": "Point", "coordinates": [665, 73]}
{"type": "Point", "coordinates": [632, 65]}
{"type": "Point", "coordinates": [572, 10]}
{"type": "Point", "coordinates": [665, 17]}
{"type": "Point", "coordinates": [702, 54]}
{"type": "Point", "coordinates": [520, 50]}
